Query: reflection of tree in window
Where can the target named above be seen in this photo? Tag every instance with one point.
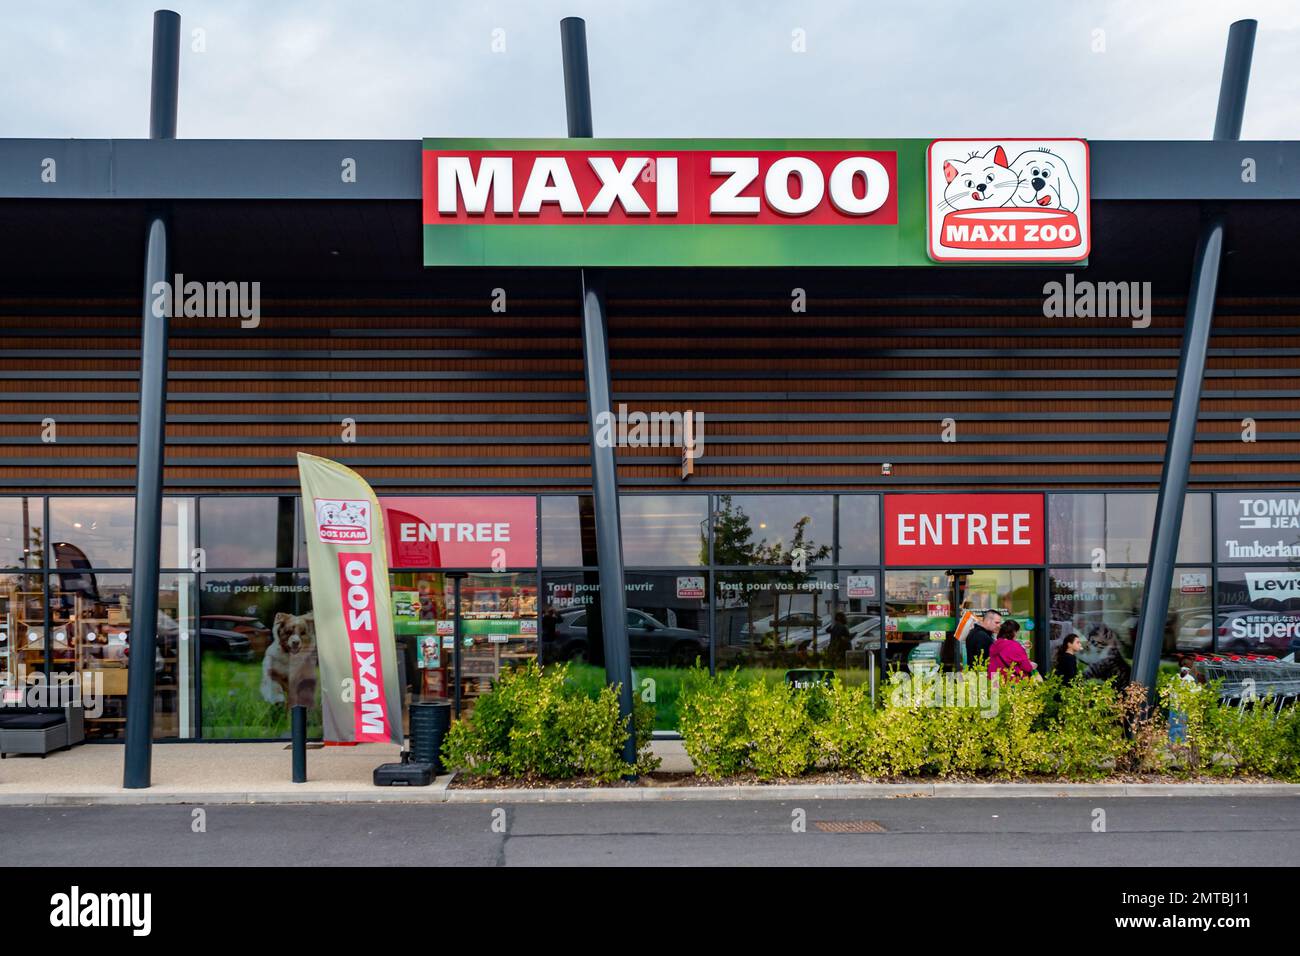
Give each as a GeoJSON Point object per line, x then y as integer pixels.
{"type": "Point", "coordinates": [734, 545]}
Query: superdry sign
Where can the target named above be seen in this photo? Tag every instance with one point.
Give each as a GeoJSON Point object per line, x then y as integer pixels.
{"type": "Point", "coordinates": [906, 202]}
{"type": "Point", "coordinates": [963, 529]}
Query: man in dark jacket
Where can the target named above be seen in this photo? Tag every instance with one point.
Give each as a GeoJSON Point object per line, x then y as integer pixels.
{"type": "Point", "coordinates": [980, 639]}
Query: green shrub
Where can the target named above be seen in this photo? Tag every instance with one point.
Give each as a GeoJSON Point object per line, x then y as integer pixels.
{"type": "Point", "coordinates": [779, 728]}
{"type": "Point", "coordinates": [1020, 745]}
{"type": "Point", "coordinates": [539, 725]}
{"type": "Point", "coordinates": [843, 734]}
{"type": "Point", "coordinates": [729, 726]}
{"type": "Point", "coordinates": [712, 723]}
{"type": "Point", "coordinates": [959, 740]}
{"type": "Point", "coordinates": [1085, 736]}
{"type": "Point", "coordinates": [1205, 746]}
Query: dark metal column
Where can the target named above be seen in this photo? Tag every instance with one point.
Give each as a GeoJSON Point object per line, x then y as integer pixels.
{"type": "Point", "coordinates": [153, 411]}
{"type": "Point", "coordinates": [1191, 370]}
{"type": "Point", "coordinates": [595, 354]}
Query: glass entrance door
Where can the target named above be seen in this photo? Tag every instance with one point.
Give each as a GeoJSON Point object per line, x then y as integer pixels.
{"type": "Point", "coordinates": [923, 607]}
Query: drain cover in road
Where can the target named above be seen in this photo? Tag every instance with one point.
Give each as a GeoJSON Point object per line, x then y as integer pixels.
{"type": "Point", "coordinates": [848, 826]}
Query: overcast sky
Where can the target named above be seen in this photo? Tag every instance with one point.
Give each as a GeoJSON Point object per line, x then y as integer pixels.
{"type": "Point", "coordinates": [403, 70]}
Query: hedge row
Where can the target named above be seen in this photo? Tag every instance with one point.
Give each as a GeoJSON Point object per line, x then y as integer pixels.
{"type": "Point", "coordinates": [1084, 730]}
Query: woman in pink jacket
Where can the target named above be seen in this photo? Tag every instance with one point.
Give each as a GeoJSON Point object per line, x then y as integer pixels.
{"type": "Point", "coordinates": [1008, 655]}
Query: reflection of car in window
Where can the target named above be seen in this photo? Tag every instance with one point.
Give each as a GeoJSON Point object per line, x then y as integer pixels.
{"type": "Point", "coordinates": [650, 641]}
{"type": "Point", "coordinates": [864, 632]}
{"type": "Point", "coordinates": [232, 636]}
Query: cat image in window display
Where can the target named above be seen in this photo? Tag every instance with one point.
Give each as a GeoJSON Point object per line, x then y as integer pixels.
{"type": "Point", "coordinates": [1107, 658]}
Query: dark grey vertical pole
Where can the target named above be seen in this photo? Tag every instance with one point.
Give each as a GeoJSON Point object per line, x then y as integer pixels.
{"type": "Point", "coordinates": [299, 730]}
{"type": "Point", "coordinates": [595, 355]}
{"type": "Point", "coordinates": [456, 578]}
{"type": "Point", "coordinates": [1191, 370]}
{"type": "Point", "coordinates": [153, 411]}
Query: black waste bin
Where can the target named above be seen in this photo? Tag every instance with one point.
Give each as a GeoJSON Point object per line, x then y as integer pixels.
{"type": "Point", "coordinates": [430, 721]}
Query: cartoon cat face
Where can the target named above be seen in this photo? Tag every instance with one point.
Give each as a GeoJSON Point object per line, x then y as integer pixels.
{"type": "Point", "coordinates": [1045, 181]}
{"type": "Point", "coordinates": [980, 182]}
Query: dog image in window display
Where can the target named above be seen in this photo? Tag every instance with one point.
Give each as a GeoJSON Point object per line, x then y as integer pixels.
{"type": "Point", "coordinates": [289, 667]}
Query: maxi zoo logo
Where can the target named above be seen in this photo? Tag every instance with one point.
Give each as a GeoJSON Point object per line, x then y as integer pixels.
{"type": "Point", "coordinates": [343, 521]}
{"type": "Point", "coordinates": [1007, 200]}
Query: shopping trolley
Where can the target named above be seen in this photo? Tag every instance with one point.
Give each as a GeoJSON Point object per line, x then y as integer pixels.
{"type": "Point", "coordinates": [1247, 678]}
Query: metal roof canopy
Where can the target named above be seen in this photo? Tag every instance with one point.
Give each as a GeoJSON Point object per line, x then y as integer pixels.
{"type": "Point", "coordinates": [390, 169]}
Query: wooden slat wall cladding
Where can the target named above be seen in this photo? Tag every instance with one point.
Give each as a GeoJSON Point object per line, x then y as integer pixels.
{"type": "Point", "coordinates": [447, 395]}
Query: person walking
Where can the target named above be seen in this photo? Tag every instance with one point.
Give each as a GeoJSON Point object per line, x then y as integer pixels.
{"type": "Point", "coordinates": [980, 639]}
{"type": "Point", "coordinates": [1008, 656]}
{"type": "Point", "coordinates": [550, 625]}
{"type": "Point", "coordinates": [1067, 663]}
{"type": "Point", "coordinates": [837, 646]}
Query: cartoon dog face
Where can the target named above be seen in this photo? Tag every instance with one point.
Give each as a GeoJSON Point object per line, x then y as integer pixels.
{"type": "Point", "coordinates": [294, 632]}
{"type": "Point", "coordinates": [1045, 181]}
{"type": "Point", "coordinates": [980, 182]}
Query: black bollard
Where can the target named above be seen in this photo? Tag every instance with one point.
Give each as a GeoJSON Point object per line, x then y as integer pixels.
{"type": "Point", "coordinates": [299, 744]}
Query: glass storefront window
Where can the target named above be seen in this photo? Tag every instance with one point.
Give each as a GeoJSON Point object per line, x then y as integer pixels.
{"type": "Point", "coordinates": [918, 612]}
{"type": "Point", "coordinates": [859, 529]}
{"type": "Point", "coordinates": [498, 628]}
{"type": "Point", "coordinates": [1103, 608]}
{"type": "Point", "coordinates": [22, 631]}
{"type": "Point", "coordinates": [498, 622]}
{"type": "Point", "coordinates": [764, 529]}
{"type": "Point", "coordinates": [251, 532]}
{"type": "Point", "coordinates": [568, 531]}
{"type": "Point", "coordinates": [664, 530]}
{"type": "Point", "coordinates": [667, 628]}
{"type": "Point", "coordinates": [21, 538]}
{"type": "Point", "coordinates": [1121, 524]}
{"type": "Point", "coordinates": [91, 532]}
{"type": "Point", "coordinates": [243, 619]}
{"type": "Point", "coordinates": [99, 532]}
{"type": "Point", "coordinates": [774, 619]}
{"type": "Point", "coordinates": [858, 598]}
{"type": "Point", "coordinates": [90, 640]}
{"type": "Point", "coordinates": [923, 607]}
{"type": "Point", "coordinates": [1259, 611]}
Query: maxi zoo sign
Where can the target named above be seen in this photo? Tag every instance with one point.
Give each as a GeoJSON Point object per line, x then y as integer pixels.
{"type": "Point", "coordinates": [753, 202]}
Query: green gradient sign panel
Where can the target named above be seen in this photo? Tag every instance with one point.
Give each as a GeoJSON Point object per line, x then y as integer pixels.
{"type": "Point", "coordinates": [566, 202]}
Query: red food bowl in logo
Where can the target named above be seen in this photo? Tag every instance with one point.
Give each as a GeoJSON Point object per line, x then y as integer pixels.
{"type": "Point", "coordinates": [1010, 228]}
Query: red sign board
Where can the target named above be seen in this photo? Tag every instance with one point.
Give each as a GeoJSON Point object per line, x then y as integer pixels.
{"type": "Point", "coordinates": [479, 532]}
{"type": "Point", "coordinates": [655, 186]}
{"type": "Point", "coordinates": [964, 529]}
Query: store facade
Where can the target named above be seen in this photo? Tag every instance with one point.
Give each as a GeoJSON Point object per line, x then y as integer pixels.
{"type": "Point", "coordinates": [704, 587]}
{"type": "Point", "coordinates": [907, 405]}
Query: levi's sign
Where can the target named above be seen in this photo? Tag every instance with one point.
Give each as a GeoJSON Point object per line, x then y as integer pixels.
{"type": "Point", "coordinates": [964, 529]}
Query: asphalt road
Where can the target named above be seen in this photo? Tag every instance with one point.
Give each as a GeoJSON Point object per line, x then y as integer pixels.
{"type": "Point", "coordinates": [1141, 831]}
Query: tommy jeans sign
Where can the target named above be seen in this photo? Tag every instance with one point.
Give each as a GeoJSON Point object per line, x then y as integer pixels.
{"type": "Point", "coordinates": [964, 529]}
{"type": "Point", "coordinates": [1008, 200]}
{"type": "Point", "coordinates": [1259, 526]}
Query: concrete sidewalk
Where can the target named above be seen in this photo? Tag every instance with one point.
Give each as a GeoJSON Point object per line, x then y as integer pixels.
{"type": "Point", "coordinates": [259, 773]}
